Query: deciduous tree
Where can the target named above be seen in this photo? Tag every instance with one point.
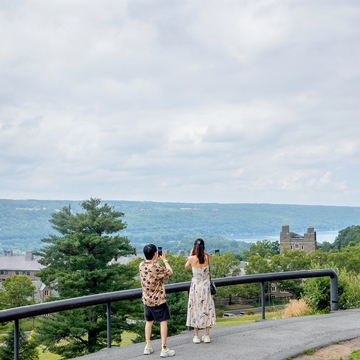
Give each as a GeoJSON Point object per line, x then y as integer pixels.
{"type": "Point", "coordinates": [263, 248]}
{"type": "Point", "coordinates": [17, 290]}
{"type": "Point", "coordinates": [351, 234]}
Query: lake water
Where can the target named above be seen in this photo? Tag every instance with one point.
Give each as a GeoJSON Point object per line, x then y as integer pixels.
{"type": "Point", "coordinates": [321, 236]}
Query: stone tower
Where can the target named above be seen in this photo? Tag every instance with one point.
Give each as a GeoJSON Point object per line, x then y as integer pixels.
{"type": "Point", "coordinates": [294, 241]}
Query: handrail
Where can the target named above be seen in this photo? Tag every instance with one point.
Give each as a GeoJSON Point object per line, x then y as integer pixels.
{"type": "Point", "coordinates": [107, 298]}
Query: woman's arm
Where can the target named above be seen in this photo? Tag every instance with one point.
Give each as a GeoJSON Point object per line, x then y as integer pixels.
{"type": "Point", "coordinates": [208, 256]}
{"type": "Point", "coordinates": [189, 262]}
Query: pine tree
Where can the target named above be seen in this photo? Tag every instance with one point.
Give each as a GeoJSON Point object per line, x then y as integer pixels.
{"type": "Point", "coordinates": [79, 262]}
{"type": "Point", "coordinates": [27, 348]}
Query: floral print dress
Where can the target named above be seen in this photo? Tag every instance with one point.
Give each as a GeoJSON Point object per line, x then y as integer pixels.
{"type": "Point", "coordinates": [201, 307]}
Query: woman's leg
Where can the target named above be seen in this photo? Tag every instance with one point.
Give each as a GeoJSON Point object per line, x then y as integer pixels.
{"type": "Point", "coordinates": [207, 330]}
{"type": "Point", "coordinates": [196, 331]}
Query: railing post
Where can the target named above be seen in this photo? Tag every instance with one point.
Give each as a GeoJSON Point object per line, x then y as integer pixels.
{"type": "Point", "coordinates": [334, 305]}
{"type": "Point", "coordinates": [269, 293]}
{"type": "Point", "coordinates": [263, 300]}
{"type": "Point", "coordinates": [16, 339]}
{"type": "Point", "coordinates": [108, 322]}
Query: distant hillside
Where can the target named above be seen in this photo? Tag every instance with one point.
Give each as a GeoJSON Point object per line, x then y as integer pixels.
{"type": "Point", "coordinates": [24, 222]}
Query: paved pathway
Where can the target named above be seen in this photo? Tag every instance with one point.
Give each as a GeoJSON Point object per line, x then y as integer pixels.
{"type": "Point", "coordinates": [264, 340]}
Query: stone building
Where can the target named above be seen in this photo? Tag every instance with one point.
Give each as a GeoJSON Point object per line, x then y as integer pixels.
{"type": "Point", "coordinates": [19, 265]}
{"type": "Point", "coordinates": [294, 241]}
{"type": "Point", "coordinates": [28, 265]}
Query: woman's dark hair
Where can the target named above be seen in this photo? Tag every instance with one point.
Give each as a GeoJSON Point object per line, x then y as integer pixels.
{"type": "Point", "coordinates": [199, 250]}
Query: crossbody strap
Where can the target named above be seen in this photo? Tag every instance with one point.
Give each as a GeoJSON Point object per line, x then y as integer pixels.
{"type": "Point", "coordinates": [209, 266]}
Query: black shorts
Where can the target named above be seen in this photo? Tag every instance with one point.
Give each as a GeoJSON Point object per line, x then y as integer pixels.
{"type": "Point", "coordinates": [157, 313]}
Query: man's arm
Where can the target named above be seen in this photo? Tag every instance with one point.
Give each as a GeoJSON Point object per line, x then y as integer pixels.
{"type": "Point", "coordinates": [167, 265]}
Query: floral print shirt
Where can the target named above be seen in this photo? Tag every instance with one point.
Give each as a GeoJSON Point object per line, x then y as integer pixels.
{"type": "Point", "coordinates": [152, 276]}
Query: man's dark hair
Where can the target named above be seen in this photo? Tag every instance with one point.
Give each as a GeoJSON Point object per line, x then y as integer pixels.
{"type": "Point", "coordinates": [149, 251]}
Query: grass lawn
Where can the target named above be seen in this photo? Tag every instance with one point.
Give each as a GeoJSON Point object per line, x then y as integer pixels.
{"type": "Point", "coordinates": [49, 356]}
{"type": "Point", "coordinates": [246, 319]}
{"type": "Point", "coordinates": [126, 338]}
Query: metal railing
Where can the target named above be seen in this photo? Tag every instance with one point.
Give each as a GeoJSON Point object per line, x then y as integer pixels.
{"type": "Point", "coordinates": [22, 312]}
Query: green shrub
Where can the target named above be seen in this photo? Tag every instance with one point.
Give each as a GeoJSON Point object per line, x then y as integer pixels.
{"type": "Point", "coordinates": [316, 291]}
{"type": "Point", "coordinates": [309, 351]}
{"type": "Point", "coordinates": [355, 355]}
{"type": "Point", "coordinates": [219, 312]}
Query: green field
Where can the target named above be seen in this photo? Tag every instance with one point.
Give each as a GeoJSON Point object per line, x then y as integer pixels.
{"type": "Point", "coordinates": [49, 356]}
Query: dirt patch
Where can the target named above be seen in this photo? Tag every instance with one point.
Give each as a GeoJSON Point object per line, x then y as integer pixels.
{"type": "Point", "coordinates": [335, 351]}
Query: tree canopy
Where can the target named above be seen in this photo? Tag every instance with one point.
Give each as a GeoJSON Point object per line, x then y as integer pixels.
{"type": "Point", "coordinates": [351, 234]}
{"type": "Point", "coordinates": [79, 261]}
{"type": "Point", "coordinates": [264, 248]}
{"type": "Point", "coordinates": [17, 290]}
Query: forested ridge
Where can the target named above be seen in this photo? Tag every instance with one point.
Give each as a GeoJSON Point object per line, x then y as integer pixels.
{"type": "Point", "coordinates": [175, 225]}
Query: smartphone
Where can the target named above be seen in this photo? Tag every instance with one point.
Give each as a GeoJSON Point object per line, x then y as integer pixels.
{"type": "Point", "coordinates": [160, 250]}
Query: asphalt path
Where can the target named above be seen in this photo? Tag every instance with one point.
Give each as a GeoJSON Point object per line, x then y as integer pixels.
{"type": "Point", "coordinates": [263, 340]}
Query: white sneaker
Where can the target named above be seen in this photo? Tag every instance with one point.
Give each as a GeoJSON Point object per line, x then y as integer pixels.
{"type": "Point", "coordinates": [167, 353]}
{"type": "Point", "coordinates": [206, 339]}
{"type": "Point", "coordinates": [196, 340]}
{"type": "Point", "coordinates": [148, 351]}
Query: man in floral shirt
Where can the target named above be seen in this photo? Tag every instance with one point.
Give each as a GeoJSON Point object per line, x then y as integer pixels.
{"type": "Point", "coordinates": [152, 276]}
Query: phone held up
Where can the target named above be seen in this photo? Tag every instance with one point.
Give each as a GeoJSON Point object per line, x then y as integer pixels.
{"type": "Point", "coordinates": [160, 250]}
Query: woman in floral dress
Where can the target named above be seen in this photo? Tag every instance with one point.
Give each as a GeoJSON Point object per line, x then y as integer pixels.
{"type": "Point", "coordinates": [201, 307]}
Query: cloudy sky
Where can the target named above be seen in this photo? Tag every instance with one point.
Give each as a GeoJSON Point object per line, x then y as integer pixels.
{"type": "Point", "coordinates": [232, 101]}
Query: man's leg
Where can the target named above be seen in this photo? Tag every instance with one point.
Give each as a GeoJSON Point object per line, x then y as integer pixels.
{"type": "Point", "coordinates": [148, 328]}
{"type": "Point", "coordinates": [165, 352]}
{"type": "Point", "coordinates": [163, 332]}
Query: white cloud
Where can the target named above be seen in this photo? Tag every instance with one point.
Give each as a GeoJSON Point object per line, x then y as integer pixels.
{"type": "Point", "coordinates": [326, 178]}
{"type": "Point", "coordinates": [252, 101]}
{"type": "Point", "coordinates": [244, 29]}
